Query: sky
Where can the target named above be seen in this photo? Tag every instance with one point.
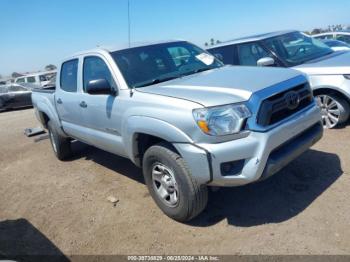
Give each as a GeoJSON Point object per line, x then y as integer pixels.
{"type": "Point", "coordinates": [35, 33]}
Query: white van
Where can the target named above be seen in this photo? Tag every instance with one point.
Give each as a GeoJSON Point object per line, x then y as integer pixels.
{"type": "Point", "coordinates": [39, 79]}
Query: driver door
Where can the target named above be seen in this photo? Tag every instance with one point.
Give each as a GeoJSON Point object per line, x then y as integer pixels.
{"type": "Point", "coordinates": [101, 113]}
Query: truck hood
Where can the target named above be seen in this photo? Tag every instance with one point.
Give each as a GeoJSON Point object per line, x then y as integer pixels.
{"type": "Point", "coordinates": [225, 85]}
{"type": "Point", "coordinates": [337, 63]}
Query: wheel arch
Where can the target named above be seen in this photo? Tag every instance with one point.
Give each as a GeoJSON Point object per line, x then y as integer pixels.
{"type": "Point", "coordinates": [44, 118]}
{"type": "Point", "coordinates": [143, 132]}
{"type": "Point", "coordinates": [342, 98]}
{"type": "Point", "coordinates": [331, 90]}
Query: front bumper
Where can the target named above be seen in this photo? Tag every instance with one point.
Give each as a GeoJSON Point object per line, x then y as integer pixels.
{"type": "Point", "coordinates": [262, 153]}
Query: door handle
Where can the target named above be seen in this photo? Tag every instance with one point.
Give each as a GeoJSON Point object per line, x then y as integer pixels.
{"type": "Point", "coordinates": [59, 101]}
{"type": "Point", "coordinates": [83, 104]}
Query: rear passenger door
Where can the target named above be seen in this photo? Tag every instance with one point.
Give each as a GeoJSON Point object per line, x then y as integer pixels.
{"type": "Point", "coordinates": [67, 98]}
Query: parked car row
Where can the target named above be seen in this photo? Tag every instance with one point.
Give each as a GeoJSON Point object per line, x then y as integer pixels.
{"type": "Point", "coordinates": [40, 79]}
{"type": "Point", "coordinates": [231, 115]}
{"type": "Point", "coordinates": [343, 36]}
{"type": "Point", "coordinates": [18, 94]}
{"type": "Point", "coordinates": [182, 116]}
{"type": "Point", "coordinates": [327, 71]}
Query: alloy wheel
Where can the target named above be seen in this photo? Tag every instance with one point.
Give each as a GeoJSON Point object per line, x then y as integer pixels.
{"type": "Point", "coordinates": [329, 110]}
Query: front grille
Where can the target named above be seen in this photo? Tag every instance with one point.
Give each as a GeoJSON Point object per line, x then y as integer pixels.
{"type": "Point", "coordinates": [281, 105]}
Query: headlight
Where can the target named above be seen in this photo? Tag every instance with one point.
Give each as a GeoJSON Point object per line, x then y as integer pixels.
{"type": "Point", "coordinates": [221, 120]}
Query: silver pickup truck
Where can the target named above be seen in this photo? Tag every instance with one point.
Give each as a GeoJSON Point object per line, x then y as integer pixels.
{"type": "Point", "coordinates": [176, 111]}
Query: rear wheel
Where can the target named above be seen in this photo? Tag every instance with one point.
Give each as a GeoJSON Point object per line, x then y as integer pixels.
{"type": "Point", "coordinates": [171, 185]}
{"type": "Point", "coordinates": [334, 109]}
{"type": "Point", "coordinates": [60, 144]}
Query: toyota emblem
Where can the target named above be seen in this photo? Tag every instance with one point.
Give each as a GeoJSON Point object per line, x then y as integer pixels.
{"type": "Point", "coordinates": [292, 100]}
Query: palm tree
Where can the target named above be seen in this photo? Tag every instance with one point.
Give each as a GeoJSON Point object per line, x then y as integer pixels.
{"type": "Point", "coordinates": [50, 67]}
{"type": "Point", "coordinates": [212, 41]}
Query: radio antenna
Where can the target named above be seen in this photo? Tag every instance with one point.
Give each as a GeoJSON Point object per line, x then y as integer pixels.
{"type": "Point", "coordinates": [129, 21]}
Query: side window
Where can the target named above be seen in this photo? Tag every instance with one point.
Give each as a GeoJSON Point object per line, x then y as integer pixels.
{"type": "Point", "coordinates": [43, 78]}
{"type": "Point", "coordinates": [31, 79]}
{"type": "Point", "coordinates": [95, 68]}
{"type": "Point", "coordinates": [323, 37]}
{"type": "Point", "coordinates": [20, 80]}
{"type": "Point", "coordinates": [225, 54]}
{"type": "Point", "coordinates": [69, 73]}
{"type": "Point", "coordinates": [249, 54]}
{"type": "Point", "coordinates": [344, 38]}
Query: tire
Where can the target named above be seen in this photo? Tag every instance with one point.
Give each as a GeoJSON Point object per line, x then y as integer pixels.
{"type": "Point", "coordinates": [60, 145]}
{"type": "Point", "coordinates": [186, 197]}
{"type": "Point", "coordinates": [335, 110]}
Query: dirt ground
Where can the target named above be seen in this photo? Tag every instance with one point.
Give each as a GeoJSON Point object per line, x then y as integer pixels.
{"type": "Point", "coordinates": [53, 207]}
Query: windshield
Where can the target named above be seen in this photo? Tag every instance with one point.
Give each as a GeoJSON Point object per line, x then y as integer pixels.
{"type": "Point", "coordinates": [297, 48]}
{"type": "Point", "coordinates": [147, 65]}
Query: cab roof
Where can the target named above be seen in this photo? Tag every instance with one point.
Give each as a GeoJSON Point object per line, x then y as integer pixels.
{"type": "Point", "coordinates": [114, 48]}
{"type": "Point", "coordinates": [252, 38]}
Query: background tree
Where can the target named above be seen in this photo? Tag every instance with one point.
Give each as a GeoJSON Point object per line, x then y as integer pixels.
{"type": "Point", "coordinates": [316, 31]}
{"type": "Point", "coordinates": [15, 74]}
{"type": "Point", "coordinates": [212, 41]}
{"type": "Point", "coordinates": [50, 67]}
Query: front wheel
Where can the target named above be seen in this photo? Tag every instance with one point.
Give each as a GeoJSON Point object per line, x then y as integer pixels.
{"type": "Point", "coordinates": [171, 185]}
{"type": "Point", "coordinates": [334, 109]}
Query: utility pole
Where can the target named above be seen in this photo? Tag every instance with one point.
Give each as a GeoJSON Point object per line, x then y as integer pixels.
{"type": "Point", "coordinates": [129, 21]}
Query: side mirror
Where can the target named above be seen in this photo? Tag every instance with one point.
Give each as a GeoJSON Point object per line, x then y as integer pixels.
{"type": "Point", "coordinates": [99, 87]}
{"type": "Point", "coordinates": [266, 61]}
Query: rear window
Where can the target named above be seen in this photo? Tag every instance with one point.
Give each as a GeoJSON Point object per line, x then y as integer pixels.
{"type": "Point", "coordinates": [69, 72]}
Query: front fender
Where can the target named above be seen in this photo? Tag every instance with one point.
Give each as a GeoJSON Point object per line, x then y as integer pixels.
{"type": "Point", "coordinates": [150, 126]}
{"type": "Point", "coordinates": [331, 82]}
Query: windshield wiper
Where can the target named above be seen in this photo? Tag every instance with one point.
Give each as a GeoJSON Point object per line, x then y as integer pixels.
{"type": "Point", "coordinates": [197, 71]}
{"type": "Point", "coordinates": [155, 81]}
{"type": "Point", "coordinates": [160, 80]}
